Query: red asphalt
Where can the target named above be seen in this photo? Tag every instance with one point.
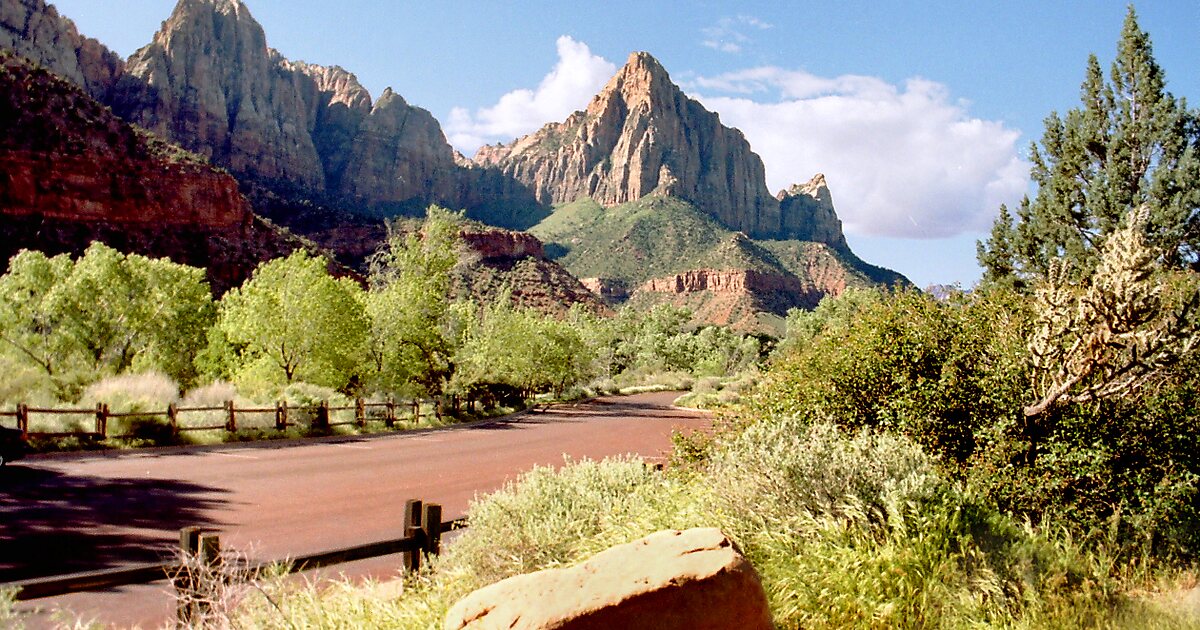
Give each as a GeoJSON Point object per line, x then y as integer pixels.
{"type": "Point", "coordinates": [66, 513]}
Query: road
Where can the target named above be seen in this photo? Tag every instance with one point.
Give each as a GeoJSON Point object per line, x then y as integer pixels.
{"type": "Point", "coordinates": [66, 513]}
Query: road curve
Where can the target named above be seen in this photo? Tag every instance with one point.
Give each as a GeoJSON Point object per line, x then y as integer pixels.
{"type": "Point", "coordinates": [61, 514]}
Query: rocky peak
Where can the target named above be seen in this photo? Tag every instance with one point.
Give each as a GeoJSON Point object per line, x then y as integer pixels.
{"type": "Point", "coordinates": [209, 82]}
{"type": "Point", "coordinates": [807, 213]}
{"type": "Point", "coordinates": [35, 30]}
{"type": "Point", "coordinates": [641, 135]}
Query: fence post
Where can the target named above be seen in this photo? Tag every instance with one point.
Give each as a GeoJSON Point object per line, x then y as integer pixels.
{"type": "Point", "coordinates": [412, 527]}
{"type": "Point", "coordinates": [183, 581]}
{"type": "Point", "coordinates": [431, 520]}
{"type": "Point", "coordinates": [360, 413]}
{"type": "Point", "coordinates": [173, 418]}
{"type": "Point", "coordinates": [23, 418]}
{"type": "Point", "coordinates": [390, 421]}
{"type": "Point", "coordinates": [231, 421]}
{"type": "Point", "coordinates": [281, 419]}
{"type": "Point", "coordinates": [416, 411]}
{"type": "Point", "coordinates": [322, 419]}
{"type": "Point", "coordinates": [102, 420]}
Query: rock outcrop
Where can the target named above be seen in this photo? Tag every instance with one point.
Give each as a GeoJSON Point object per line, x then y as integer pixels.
{"type": "Point", "coordinates": [808, 214]}
{"type": "Point", "coordinates": [642, 135]}
{"type": "Point", "coordinates": [694, 580]}
{"type": "Point", "coordinates": [209, 82]}
{"type": "Point", "coordinates": [72, 172]}
{"type": "Point", "coordinates": [35, 30]}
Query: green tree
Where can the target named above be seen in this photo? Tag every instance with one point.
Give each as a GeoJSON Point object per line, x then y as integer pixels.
{"type": "Point", "coordinates": [292, 321]}
{"type": "Point", "coordinates": [413, 332]}
{"type": "Point", "coordinates": [1130, 144]}
{"type": "Point", "coordinates": [108, 312]}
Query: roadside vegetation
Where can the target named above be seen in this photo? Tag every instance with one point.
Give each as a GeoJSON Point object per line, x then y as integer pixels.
{"type": "Point", "coordinates": [1023, 455]}
{"type": "Point", "coordinates": [138, 334]}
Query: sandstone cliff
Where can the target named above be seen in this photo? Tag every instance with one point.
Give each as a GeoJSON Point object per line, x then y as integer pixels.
{"type": "Point", "coordinates": [72, 172]}
{"type": "Point", "coordinates": [35, 30]}
{"type": "Point", "coordinates": [808, 214]}
{"type": "Point", "coordinates": [641, 135]}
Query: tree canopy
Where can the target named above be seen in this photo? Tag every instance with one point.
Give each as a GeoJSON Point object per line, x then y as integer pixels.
{"type": "Point", "coordinates": [1129, 144]}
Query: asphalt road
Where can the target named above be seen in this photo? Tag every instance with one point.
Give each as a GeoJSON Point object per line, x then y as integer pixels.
{"type": "Point", "coordinates": [66, 513]}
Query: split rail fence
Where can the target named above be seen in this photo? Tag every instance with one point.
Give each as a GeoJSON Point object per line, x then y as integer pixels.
{"type": "Point", "coordinates": [200, 557]}
{"type": "Point", "coordinates": [227, 417]}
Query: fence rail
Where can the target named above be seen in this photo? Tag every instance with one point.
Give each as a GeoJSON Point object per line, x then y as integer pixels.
{"type": "Point", "coordinates": [321, 416]}
{"type": "Point", "coordinates": [423, 528]}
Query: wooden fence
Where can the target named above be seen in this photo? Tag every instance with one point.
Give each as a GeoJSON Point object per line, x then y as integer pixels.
{"type": "Point", "coordinates": [423, 528]}
{"type": "Point", "coordinates": [227, 417]}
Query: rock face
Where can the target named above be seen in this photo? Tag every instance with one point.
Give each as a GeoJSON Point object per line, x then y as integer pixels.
{"type": "Point", "coordinates": [694, 580]}
{"type": "Point", "coordinates": [35, 30]}
{"type": "Point", "coordinates": [732, 297]}
{"type": "Point", "coordinates": [72, 172]}
{"type": "Point", "coordinates": [808, 214]}
{"type": "Point", "coordinates": [209, 82]}
{"type": "Point", "coordinates": [642, 135]}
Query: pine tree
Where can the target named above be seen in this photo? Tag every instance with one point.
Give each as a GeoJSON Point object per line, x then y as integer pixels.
{"type": "Point", "coordinates": [1130, 144]}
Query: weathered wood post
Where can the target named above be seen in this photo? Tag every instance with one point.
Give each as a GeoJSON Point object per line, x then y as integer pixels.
{"type": "Point", "coordinates": [416, 411]}
{"type": "Point", "coordinates": [230, 417]}
{"type": "Point", "coordinates": [200, 558]}
{"type": "Point", "coordinates": [322, 419]}
{"type": "Point", "coordinates": [431, 520]}
{"type": "Point", "coordinates": [23, 419]}
{"type": "Point", "coordinates": [102, 420]}
{"type": "Point", "coordinates": [390, 421]}
{"type": "Point", "coordinates": [173, 418]}
{"type": "Point", "coordinates": [281, 415]}
{"type": "Point", "coordinates": [360, 413]}
{"type": "Point", "coordinates": [412, 527]}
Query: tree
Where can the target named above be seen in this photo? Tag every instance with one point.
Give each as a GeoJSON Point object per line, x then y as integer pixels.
{"type": "Point", "coordinates": [408, 306]}
{"type": "Point", "coordinates": [293, 321]}
{"type": "Point", "coordinates": [1114, 332]}
{"type": "Point", "coordinates": [106, 312]}
{"type": "Point", "coordinates": [1130, 144]}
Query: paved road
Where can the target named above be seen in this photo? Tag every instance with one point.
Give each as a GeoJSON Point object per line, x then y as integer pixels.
{"type": "Point", "coordinates": [61, 514]}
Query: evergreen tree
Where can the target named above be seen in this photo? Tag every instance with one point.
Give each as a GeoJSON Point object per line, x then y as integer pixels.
{"type": "Point", "coordinates": [1130, 144]}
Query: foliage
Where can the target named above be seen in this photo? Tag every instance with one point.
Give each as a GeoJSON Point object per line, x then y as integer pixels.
{"type": "Point", "coordinates": [1111, 336]}
{"type": "Point", "coordinates": [938, 557]}
{"type": "Point", "coordinates": [523, 349]}
{"type": "Point", "coordinates": [408, 306]}
{"type": "Point", "coordinates": [1131, 143]}
{"type": "Point", "coordinates": [293, 321]}
{"type": "Point", "coordinates": [105, 313]}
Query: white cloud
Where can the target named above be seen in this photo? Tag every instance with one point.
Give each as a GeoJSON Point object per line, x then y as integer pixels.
{"type": "Point", "coordinates": [728, 34]}
{"type": "Point", "coordinates": [574, 80]}
{"type": "Point", "coordinates": [901, 161]}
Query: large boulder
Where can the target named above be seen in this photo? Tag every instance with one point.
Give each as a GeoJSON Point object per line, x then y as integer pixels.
{"type": "Point", "coordinates": [693, 579]}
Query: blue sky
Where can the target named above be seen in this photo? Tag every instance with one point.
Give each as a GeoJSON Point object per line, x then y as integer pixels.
{"type": "Point", "coordinates": [919, 114]}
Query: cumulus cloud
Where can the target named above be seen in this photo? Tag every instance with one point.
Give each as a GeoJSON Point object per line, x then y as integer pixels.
{"type": "Point", "coordinates": [902, 161]}
{"type": "Point", "coordinates": [729, 33]}
{"type": "Point", "coordinates": [576, 77]}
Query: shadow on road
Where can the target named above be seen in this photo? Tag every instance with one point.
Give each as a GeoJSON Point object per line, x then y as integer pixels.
{"type": "Point", "coordinates": [52, 523]}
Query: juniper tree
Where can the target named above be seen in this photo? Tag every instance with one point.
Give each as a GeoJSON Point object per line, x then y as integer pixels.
{"type": "Point", "coordinates": [1130, 144]}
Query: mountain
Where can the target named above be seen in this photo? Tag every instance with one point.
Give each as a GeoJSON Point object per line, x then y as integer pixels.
{"type": "Point", "coordinates": [642, 135]}
{"type": "Point", "coordinates": [644, 192]}
{"type": "Point", "coordinates": [72, 172]}
{"type": "Point", "coordinates": [657, 201]}
{"type": "Point", "coordinates": [298, 134]}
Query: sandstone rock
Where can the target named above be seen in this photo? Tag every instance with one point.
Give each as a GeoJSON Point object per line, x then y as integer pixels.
{"type": "Point", "coordinates": [642, 135]}
{"type": "Point", "coordinates": [35, 30]}
{"type": "Point", "coordinates": [694, 580]}
{"type": "Point", "coordinates": [808, 214]}
{"type": "Point", "coordinates": [400, 156]}
{"type": "Point", "coordinates": [72, 172]}
{"type": "Point", "coordinates": [495, 244]}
